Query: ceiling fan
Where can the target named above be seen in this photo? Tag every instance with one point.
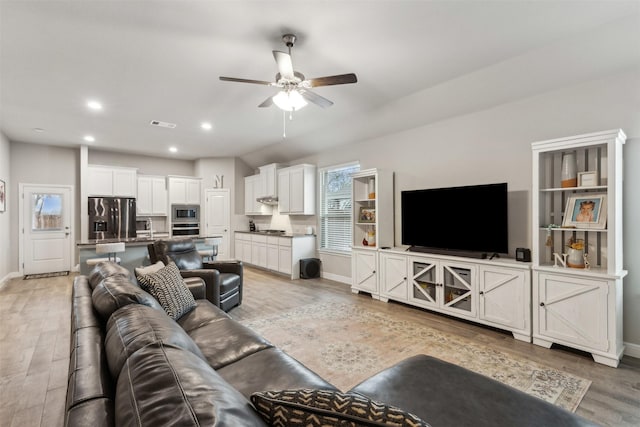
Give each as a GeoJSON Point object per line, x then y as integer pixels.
{"type": "Point", "coordinates": [294, 87]}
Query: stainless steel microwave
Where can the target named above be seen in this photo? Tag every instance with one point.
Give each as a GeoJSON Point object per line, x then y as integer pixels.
{"type": "Point", "coordinates": [185, 213]}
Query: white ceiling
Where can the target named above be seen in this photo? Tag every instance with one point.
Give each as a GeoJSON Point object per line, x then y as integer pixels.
{"type": "Point", "coordinates": [417, 62]}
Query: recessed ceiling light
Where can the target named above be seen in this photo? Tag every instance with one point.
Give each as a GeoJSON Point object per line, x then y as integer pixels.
{"type": "Point", "coordinates": [94, 105]}
{"type": "Point", "coordinates": [173, 149]}
{"type": "Point", "coordinates": [206, 125]}
{"type": "Point", "coordinates": [38, 130]}
{"type": "Point", "coordinates": [89, 138]}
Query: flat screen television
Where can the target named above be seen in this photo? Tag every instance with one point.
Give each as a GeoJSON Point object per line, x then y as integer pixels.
{"type": "Point", "coordinates": [471, 219]}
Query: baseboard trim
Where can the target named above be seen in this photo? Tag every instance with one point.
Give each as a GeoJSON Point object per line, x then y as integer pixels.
{"type": "Point", "coordinates": [337, 278]}
{"type": "Point", "coordinates": [632, 350]}
{"type": "Point", "coordinates": [8, 277]}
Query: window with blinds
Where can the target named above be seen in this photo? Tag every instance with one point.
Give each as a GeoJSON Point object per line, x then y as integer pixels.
{"type": "Point", "coordinates": [335, 207]}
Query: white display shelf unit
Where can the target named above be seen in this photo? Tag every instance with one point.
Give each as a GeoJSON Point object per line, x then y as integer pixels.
{"type": "Point", "coordinates": [579, 308]}
{"type": "Point", "coordinates": [372, 190]}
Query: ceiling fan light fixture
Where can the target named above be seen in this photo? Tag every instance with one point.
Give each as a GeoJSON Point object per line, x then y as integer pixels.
{"type": "Point", "coordinates": [289, 100]}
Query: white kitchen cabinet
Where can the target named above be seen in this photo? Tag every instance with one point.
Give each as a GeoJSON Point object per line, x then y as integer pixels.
{"type": "Point", "coordinates": [152, 196]}
{"type": "Point", "coordinates": [269, 176]}
{"type": "Point", "coordinates": [276, 253]}
{"type": "Point", "coordinates": [272, 253]}
{"type": "Point", "coordinates": [108, 181]}
{"type": "Point", "coordinates": [254, 187]}
{"type": "Point", "coordinates": [364, 268]}
{"type": "Point", "coordinates": [297, 190]}
{"type": "Point", "coordinates": [243, 247]}
{"type": "Point", "coordinates": [184, 190]}
{"type": "Point", "coordinates": [286, 260]}
{"type": "Point", "coordinates": [579, 307]}
{"type": "Point", "coordinates": [259, 250]}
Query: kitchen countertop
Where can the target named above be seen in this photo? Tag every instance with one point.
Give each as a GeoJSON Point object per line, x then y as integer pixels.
{"type": "Point", "coordinates": [268, 233]}
{"type": "Point", "coordinates": [130, 241]}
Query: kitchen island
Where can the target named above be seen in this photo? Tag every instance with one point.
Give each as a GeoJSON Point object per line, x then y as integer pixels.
{"type": "Point", "coordinates": [135, 253]}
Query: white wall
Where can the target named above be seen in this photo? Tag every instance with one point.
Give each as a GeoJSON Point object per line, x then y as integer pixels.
{"type": "Point", "coordinates": [40, 164]}
{"type": "Point", "coordinates": [5, 175]}
{"type": "Point", "coordinates": [146, 165]}
{"type": "Point", "coordinates": [493, 145]}
{"type": "Point", "coordinates": [232, 170]}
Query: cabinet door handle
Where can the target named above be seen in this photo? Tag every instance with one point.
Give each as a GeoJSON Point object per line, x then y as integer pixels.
{"type": "Point", "coordinates": [541, 304]}
{"type": "Point", "coordinates": [373, 272]}
{"type": "Point", "coordinates": [481, 292]}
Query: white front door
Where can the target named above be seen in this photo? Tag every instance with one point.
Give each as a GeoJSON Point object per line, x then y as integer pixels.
{"type": "Point", "coordinates": [46, 215]}
{"type": "Point", "coordinates": [218, 221]}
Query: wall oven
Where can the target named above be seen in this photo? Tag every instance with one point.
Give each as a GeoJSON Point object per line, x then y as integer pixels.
{"type": "Point", "coordinates": [185, 220]}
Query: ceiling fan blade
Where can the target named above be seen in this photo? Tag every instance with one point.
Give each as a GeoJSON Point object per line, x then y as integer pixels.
{"type": "Point", "coordinates": [234, 79]}
{"type": "Point", "coordinates": [267, 102]}
{"type": "Point", "coordinates": [340, 79]}
{"type": "Point", "coordinates": [285, 66]}
{"type": "Point", "coordinates": [315, 98]}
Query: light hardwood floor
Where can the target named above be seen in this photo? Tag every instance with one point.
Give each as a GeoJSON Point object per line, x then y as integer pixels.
{"type": "Point", "coordinates": [34, 346]}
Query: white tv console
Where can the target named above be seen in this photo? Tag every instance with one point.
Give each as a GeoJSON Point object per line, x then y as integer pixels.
{"type": "Point", "coordinates": [493, 292]}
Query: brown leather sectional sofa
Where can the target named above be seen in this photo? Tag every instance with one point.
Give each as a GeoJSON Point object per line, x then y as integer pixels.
{"type": "Point", "coordinates": [133, 365]}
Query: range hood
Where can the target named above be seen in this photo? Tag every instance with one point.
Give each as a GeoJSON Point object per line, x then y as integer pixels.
{"type": "Point", "coordinates": [268, 200]}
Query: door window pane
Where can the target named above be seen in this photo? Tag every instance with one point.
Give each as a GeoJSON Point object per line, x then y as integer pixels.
{"type": "Point", "coordinates": [46, 211]}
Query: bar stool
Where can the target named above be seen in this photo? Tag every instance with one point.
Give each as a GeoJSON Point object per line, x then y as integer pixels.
{"type": "Point", "coordinates": [111, 249]}
{"type": "Point", "coordinates": [213, 252]}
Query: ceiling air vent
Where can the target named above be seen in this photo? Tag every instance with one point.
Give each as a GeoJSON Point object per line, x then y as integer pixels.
{"type": "Point", "coordinates": [162, 124]}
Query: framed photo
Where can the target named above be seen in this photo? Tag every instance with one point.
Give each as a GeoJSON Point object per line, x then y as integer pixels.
{"type": "Point", "coordinates": [367, 215]}
{"type": "Point", "coordinates": [3, 196]}
{"type": "Point", "coordinates": [586, 211]}
{"type": "Point", "coordinates": [588, 179]}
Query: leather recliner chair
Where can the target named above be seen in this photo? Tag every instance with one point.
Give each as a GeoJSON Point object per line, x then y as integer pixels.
{"type": "Point", "coordinates": [223, 279]}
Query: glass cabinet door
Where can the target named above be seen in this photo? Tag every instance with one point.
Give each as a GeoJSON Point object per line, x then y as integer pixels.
{"type": "Point", "coordinates": [424, 282]}
{"type": "Point", "coordinates": [458, 286]}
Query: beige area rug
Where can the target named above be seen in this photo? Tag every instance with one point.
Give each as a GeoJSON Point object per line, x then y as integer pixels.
{"type": "Point", "coordinates": [346, 344]}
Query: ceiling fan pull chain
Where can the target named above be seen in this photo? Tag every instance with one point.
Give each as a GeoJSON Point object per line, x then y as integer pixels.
{"type": "Point", "coordinates": [284, 124]}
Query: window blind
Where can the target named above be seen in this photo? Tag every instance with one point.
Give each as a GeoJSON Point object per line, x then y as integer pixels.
{"type": "Point", "coordinates": [335, 207]}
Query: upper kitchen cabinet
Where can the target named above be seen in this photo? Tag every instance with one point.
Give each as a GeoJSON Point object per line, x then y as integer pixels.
{"type": "Point", "coordinates": [297, 190]}
{"type": "Point", "coordinates": [109, 181]}
{"type": "Point", "coordinates": [152, 196]}
{"type": "Point", "coordinates": [269, 176]}
{"type": "Point", "coordinates": [254, 188]}
{"type": "Point", "coordinates": [184, 190]}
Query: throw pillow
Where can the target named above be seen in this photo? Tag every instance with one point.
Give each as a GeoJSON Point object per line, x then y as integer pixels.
{"type": "Point", "coordinates": [167, 287]}
{"type": "Point", "coordinates": [153, 268]}
{"type": "Point", "coordinates": [306, 407]}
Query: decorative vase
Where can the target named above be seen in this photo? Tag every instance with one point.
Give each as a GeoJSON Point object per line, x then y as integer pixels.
{"type": "Point", "coordinates": [575, 258]}
{"type": "Point", "coordinates": [372, 188]}
{"type": "Point", "coordinates": [568, 174]}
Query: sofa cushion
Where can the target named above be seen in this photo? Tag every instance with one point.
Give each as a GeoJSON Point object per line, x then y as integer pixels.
{"type": "Point", "coordinates": [167, 287]}
{"type": "Point", "coordinates": [107, 269]}
{"type": "Point", "coordinates": [163, 386]}
{"type": "Point", "coordinates": [136, 326]}
{"type": "Point", "coordinates": [117, 291]}
{"type": "Point", "coordinates": [308, 407]}
{"type": "Point", "coordinates": [248, 375]}
{"type": "Point", "coordinates": [203, 314]}
{"type": "Point", "coordinates": [226, 341]}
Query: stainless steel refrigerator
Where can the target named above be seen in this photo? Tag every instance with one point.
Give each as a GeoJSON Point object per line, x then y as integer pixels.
{"type": "Point", "coordinates": [112, 217]}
